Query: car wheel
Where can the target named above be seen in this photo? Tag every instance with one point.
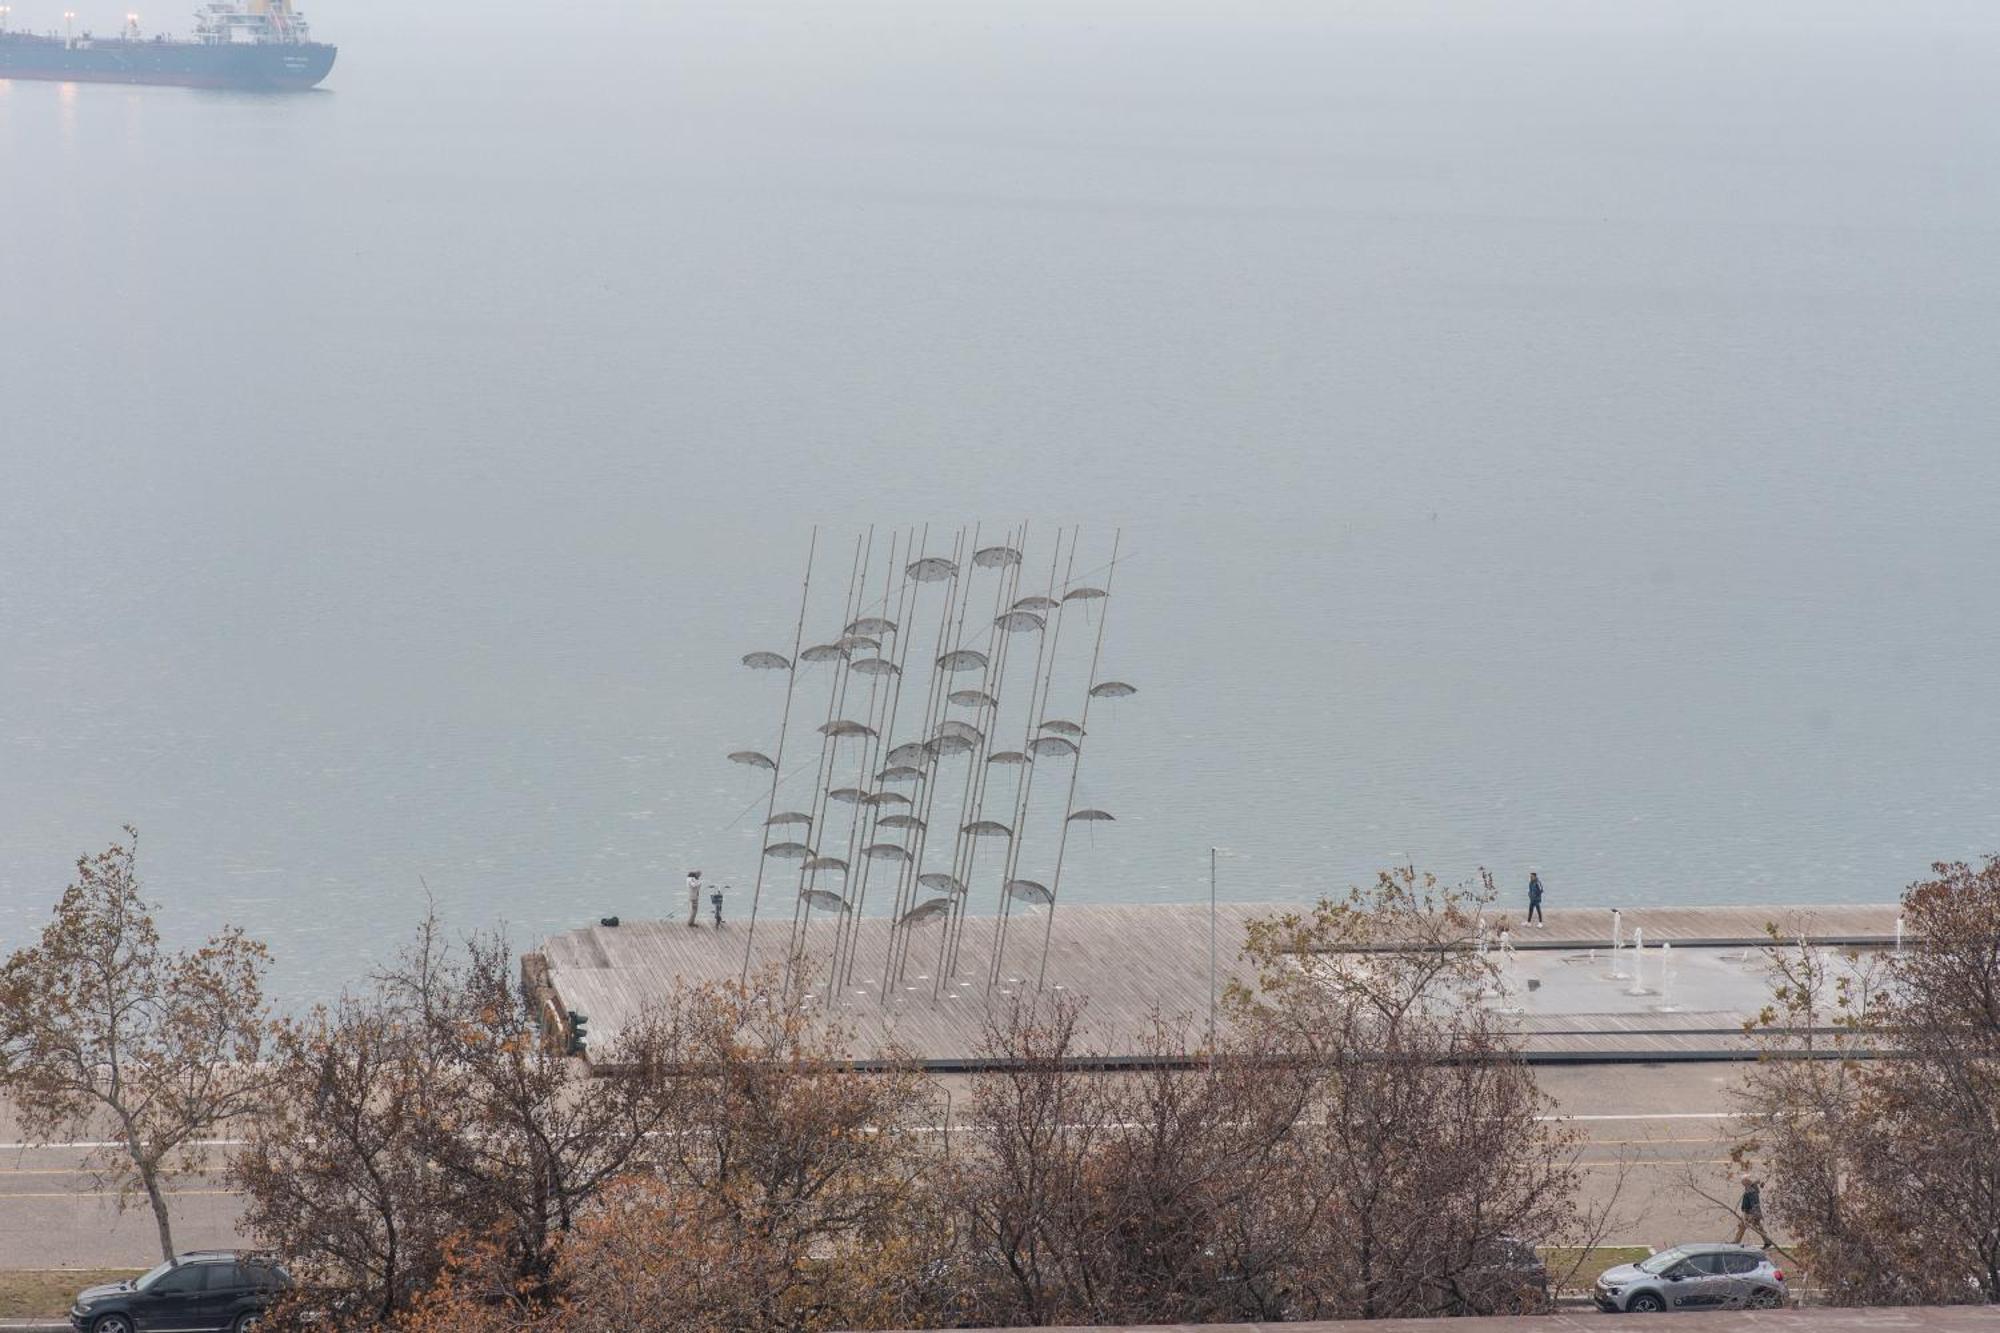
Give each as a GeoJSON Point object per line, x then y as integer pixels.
{"type": "Point", "coordinates": [111, 1323]}
{"type": "Point", "coordinates": [1646, 1302]}
{"type": "Point", "coordinates": [245, 1323]}
{"type": "Point", "coordinates": [1766, 1298]}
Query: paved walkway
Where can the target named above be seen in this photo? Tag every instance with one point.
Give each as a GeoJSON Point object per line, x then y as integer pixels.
{"type": "Point", "coordinates": [1131, 961]}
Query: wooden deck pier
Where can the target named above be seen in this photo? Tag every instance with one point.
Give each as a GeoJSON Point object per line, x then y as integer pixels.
{"type": "Point", "coordinates": [1130, 962]}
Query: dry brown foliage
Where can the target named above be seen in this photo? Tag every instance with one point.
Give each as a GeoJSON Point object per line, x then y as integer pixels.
{"type": "Point", "coordinates": [431, 1108]}
{"type": "Point", "coordinates": [98, 1024]}
{"type": "Point", "coordinates": [1360, 1144]}
{"type": "Point", "coordinates": [1884, 1173]}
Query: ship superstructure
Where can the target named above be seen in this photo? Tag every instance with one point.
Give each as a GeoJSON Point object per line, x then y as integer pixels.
{"type": "Point", "coordinates": [261, 22]}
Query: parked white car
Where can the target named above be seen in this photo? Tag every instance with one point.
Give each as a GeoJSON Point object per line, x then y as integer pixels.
{"type": "Point", "coordinates": [1694, 1277]}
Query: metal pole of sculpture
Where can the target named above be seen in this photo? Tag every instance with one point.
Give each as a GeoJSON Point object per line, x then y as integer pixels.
{"type": "Point", "coordinates": [1006, 623]}
{"type": "Point", "coordinates": [897, 670]}
{"type": "Point", "coordinates": [784, 722]}
{"type": "Point", "coordinates": [1038, 696]}
{"type": "Point", "coordinates": [1076, 761]}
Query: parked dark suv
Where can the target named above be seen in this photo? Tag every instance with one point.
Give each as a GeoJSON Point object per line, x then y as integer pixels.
{"type": "Point", "coordinates": [214, 1291]}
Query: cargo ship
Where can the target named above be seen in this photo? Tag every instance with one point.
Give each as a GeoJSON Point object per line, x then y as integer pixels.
{"type": "Point", "coordinates": [262, 45]}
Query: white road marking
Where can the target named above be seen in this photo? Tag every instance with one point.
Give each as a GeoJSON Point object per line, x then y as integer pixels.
{"type": "Point", "coordinates": [116, 1143]}
{"type": "Point", "coordinates": [76, 1195]}
{"type": "Point", "coordinates": [932, 1129]}
{"type": "Point", "coordinates": [1653, 1115]}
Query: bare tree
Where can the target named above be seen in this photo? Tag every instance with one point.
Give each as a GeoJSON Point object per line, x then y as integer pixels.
{"type": "Point", "coordinates": [1155, 1194]}
{"type": "Point", "coordinates": [1873, 1105]}
{"type": "Point", "coordinates": [1428, 1151]}
{"type": "Point", "coordinates": [431, 1109]}
{"type": "Point", "coordinates": [98, 1023]}
{"type": "Point", "coordinates": [334, 1174]}
{"type": "Point", "coordinates": [1365, 1142]}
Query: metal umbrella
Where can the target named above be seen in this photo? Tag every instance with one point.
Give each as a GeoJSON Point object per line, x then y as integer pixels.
{"type": "Point", "coordinates": [1092, 816]}
{"type": "Point", "coordinates": [843, 727]}
{"type": "Point", "coordinates": [909, 753]}
{"type": "Point", "coordinates": [996, 557]}
{"type": "Point", "coordinates": [1028, 891]}
{"type": "Point", "coordinates": [823, 652]}
{"type": "Point", "coordinates": [1062, 728]}
{"type": "Point", "coordinates": [1056, 745]}
{"type": "Point", "coordinates": [752, 758]}
{"type": "Point", "coordinates": [875, 666]}
{"type": "Point", "coordinates": [789, 851]}
{"type": "Point", "coordinates": [823, 898]}
{"type": "Point", "coordinates": [963, 659]}
{"type": "Point", "coordinates": [875, 625]}
{"type": "Point", "coordinates": [1015, 622]}
{"type": "Point", "coordinates": [925, 911]}
{"type": "Point", "coordinates": [767, 662]}
{"type": "Point", "coordinates": [1113, 689]}
{"type": "Point", "coordinates": [932, 569]}
{"type": "Point", "coordinates": [973, 699]}
{"type": "Point", "coordinates": [789, 817]}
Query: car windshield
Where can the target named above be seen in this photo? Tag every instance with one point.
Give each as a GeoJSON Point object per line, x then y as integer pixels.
{"type": "Point", "coordinates": [1665, 1259]}
{"type": "Point", "coordinates": [155, 1275]}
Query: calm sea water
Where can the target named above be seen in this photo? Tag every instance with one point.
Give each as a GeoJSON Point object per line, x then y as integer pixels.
{"type": "Point", "coordinates": [1547, 433]}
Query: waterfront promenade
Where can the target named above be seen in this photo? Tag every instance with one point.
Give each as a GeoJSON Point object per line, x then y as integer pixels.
{"type": "Point", "coordinates": [1562, 989]}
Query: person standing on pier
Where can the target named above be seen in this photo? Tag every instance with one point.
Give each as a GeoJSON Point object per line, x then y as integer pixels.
{"type": "Point", "coordinates": [1535, 899]}
{"type": "Point", "coordinates": [694, 897]}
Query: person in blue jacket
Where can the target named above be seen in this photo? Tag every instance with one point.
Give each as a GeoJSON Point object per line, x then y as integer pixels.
{"type": "Point", "coordinates": [1535, 899]}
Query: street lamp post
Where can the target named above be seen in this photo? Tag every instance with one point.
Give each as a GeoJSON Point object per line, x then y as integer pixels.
{"type": "Point", "coordinates": [1211, 961]}
{"type": "Point", "coordinates": [69, 26]}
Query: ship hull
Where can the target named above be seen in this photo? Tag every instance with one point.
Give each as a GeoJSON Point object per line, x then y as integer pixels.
{"type": "Point", "coordinates": [261, 67]}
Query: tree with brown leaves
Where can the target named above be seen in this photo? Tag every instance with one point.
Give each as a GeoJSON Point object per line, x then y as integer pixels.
{"type": "Point", "coordinates": [1364, 1143]}
{"type": "Point", "coordinates": [786, 1192]}
{"type": "Point", "coordinates": [1095, 1194]}
{"type": "Point", "coordinates": [100, 1026]}
{"type": "Point", "coordinates": [431, 1109]}
{"type": "Point", "coordinates": [1427, 1149]}
{"type": "Point", "coordinates": [1874, 1107]}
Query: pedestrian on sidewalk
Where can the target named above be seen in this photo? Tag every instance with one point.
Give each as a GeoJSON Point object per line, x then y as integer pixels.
{"type": "Point", "coordinates": [715, 901]}
{"type": "Point", "coordinates": [694, 897]}
{"type": "Point", "coordinates": [1535, 899]}
{"type": "Point", "coordinates": [1750, 1209]}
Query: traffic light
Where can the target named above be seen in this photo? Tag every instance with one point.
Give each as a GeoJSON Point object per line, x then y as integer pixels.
{"type": "Point", "coordinates": [577, 1035]}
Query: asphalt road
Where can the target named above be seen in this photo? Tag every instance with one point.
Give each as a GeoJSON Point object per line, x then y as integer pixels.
{"type": "Point", "coordinates": [1648, 1131]}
